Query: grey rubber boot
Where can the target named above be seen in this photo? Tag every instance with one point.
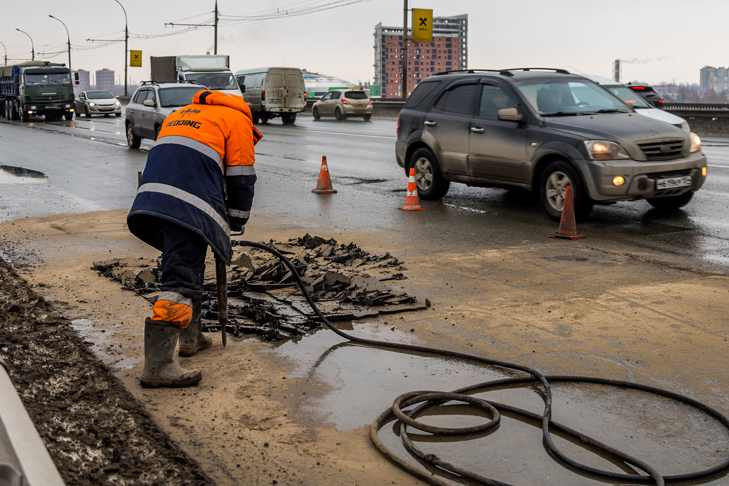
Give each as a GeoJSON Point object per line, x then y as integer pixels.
{"type": "Point", "coordinates": [161, 366]}
{"type": "Point", "coordinates": [192, 339]}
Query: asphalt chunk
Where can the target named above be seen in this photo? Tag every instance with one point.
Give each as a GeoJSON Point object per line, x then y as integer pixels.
{"type": "Point", "coordinates": [346, 281]}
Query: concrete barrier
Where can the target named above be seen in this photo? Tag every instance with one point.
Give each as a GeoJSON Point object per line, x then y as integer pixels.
{"type": "Point", "coordinates": [24, 459]}
{"type": "Point", "coordinates": [706, 119]}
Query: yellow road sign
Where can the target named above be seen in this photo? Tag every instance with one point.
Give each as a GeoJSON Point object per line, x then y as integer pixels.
{"type": "Point", "coordinates": [422, 25]}
{"type": "Point", "coordinates": [135, 58]}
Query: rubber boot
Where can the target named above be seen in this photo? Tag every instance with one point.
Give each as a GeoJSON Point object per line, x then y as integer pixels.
{"type": "Point", "coordinates": [192, 339]}
{"type": "Point", "coordinates": [161, 366]}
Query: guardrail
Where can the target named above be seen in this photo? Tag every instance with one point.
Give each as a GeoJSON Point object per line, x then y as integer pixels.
{"type": "Point", "coordinates": [698, 107]}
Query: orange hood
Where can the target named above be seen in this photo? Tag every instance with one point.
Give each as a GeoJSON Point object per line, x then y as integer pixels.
{"type": "Point", "coordinates": [207, 97]}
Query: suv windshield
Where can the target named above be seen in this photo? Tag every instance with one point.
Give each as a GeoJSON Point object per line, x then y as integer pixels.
{"type": "Point", "coordinates": [628, 96]}
{"type": "Point", "coordinates": [355, 95]}
{"type": "Point", "coordinates": [99, 95]}
{"type": "Point", "coordinates": [177, 96]}
{"type": "Point", "coordinates": [569, 97]}
{"type": "Point", "coordinates": [213, 80]}
{"type": "Point", "coordinates": [36, 79]}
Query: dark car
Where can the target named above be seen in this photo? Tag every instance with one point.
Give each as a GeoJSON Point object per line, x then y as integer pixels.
{"type": "Point", "coordinates": [648, 93]}
{"type": "Point", "coordinates": [541, 129]}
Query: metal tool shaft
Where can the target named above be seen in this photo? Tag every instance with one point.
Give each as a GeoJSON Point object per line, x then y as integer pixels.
{"type": "Point", "coordinates": [221, 278]}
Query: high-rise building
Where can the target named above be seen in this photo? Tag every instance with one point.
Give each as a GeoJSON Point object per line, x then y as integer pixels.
{"type": "Point", "coordinates": [714, 79]}
{"type": "Point", "coordinates": [448, 51]}
{"type": "Point", "coordinates": [84, 80]}
{"type": "Point", "coordinates": [105, 79]}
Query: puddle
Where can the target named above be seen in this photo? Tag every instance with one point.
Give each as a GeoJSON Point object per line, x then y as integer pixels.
{"type": "Point", "coordinates": [99, 339]}
{"type": "Point", "coordinates": [360, 383]}
{"type": "Point", "coordinates": [10, 174]}
{"type": "Point", "coordinates": [354, 181]}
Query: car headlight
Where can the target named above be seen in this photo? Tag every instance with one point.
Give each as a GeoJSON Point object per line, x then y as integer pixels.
{"type": "Point", "coordinates": [604, 150]}
{"type": "Point", "coordinates": [92, 104]}
{"type": "Point", "coordinates": [116, 103]}
{"type": "Point", "coordinates": [695, 143]}
{"type": "Point", "coordinates": [32, 107]}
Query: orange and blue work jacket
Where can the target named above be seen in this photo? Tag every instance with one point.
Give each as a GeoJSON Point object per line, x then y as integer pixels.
{"type": "Point", "coordinates": [200, 173]}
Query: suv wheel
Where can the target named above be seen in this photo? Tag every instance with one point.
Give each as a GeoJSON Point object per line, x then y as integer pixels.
{"type": "Point", "coordinates": [315, 114]}
{"type": "Point", "coordinates": [671, 203]}
{"type": "Point", "coordinates": [428, 178]}
{"type": "Point", "coordinates": [339, 114]}
{"type": "Point", "coordinates": [133, 141]}
{"type": "Point", "coordinates": [555, 177]}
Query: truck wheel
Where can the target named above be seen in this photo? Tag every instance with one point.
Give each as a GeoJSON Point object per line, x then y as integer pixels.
{"type": "Point", "coordinates": [315, 114]}
{"type": "Point", "coordinates": [133, 141]}
{"type": "Point", "coordinates": [288, 118]}
{"type": "Point", "coordinates": [367, 117]}
{"type": "Point", "coordinates": [339, 114]}
{"type": "Point", "coordinates": [671, 203]}
{"type": "Point", "coordinates": [428, 178]}
{"type": "Point", "coordinates": [554, 178]}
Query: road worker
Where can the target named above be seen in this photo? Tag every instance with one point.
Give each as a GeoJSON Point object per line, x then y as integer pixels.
{"type": "Point", "coordinates": [196, 188]}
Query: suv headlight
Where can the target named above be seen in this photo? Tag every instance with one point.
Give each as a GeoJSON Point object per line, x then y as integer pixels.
{"type": "Point", "coordinates": [92, 103]}
{"type": "Point", "coordinates": [604, 150]}
{"type": "Point", "coordinates": [116, 103]}
{"type": "Point", "coordinates": [695, 143]}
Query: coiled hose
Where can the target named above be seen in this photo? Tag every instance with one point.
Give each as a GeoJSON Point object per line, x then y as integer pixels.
{"type": "Point", "coordinates": [424, 400]}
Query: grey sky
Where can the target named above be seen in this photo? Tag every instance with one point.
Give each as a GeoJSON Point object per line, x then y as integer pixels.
{"type": "Point", "coordinates": [582, 35]}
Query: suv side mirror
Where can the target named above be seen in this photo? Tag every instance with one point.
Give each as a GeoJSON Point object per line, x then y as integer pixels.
{"type": "Point", "coordinates": [150, 103]}
{"type": "Point", "coordinates": [510, 114]}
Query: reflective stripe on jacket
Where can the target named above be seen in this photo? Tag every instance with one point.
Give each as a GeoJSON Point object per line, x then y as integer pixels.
{"type": "Point", "coordinates": [200, 174]}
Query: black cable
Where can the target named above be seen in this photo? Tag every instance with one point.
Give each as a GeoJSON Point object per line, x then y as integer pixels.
{"type": "Point", "coordinates": [424, 400]}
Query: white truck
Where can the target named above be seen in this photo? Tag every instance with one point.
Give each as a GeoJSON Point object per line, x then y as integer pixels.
{"type": "Point", "coordinates": [213, 72]}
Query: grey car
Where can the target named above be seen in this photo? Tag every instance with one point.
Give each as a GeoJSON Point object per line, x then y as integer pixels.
{"type": "Point", "coordinates": [96, 102]}
{"type": "Point", "coordinates": [150, 105]}
{"type": "Point", "coordinates": [541, 129]}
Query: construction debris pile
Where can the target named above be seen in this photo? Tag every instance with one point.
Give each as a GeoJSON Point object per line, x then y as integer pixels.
{"type": "Point", "coordinates": [346, 281]}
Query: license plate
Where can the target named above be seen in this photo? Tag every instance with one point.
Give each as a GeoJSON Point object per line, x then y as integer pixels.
{"type": "Point", "coordinates": [673, 182]}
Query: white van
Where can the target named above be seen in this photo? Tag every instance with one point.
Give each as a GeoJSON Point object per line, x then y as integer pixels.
{"type": "Point", "coordinates": [273, 92]}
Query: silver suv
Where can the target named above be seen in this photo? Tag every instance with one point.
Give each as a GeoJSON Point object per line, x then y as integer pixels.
{"type": "Point", "coordinates": [150, 105]}
{"type": "Point", "coordinates": [541, 129]}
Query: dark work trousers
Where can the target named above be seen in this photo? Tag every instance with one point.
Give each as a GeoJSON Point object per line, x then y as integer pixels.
{"type": "Point", "coordinates": [183, 260]}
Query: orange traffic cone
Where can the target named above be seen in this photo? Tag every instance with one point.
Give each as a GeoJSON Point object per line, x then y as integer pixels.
{"type": "Point", "coordinates": [568, 224]}
{"type": "Point", "coordinates": [324, 184]}
{"type": "Point", "coordinates": [412, 201]}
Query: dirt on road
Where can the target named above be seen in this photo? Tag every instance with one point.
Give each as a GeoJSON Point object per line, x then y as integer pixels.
{"type": "Point", "coordinates": [297, 413]}
{"type": "Point", "coordinates": [95, 430]}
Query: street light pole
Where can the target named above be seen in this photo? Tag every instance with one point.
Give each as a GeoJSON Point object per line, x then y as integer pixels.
{"type": "Point", "coordinates": [404, 91]}
{"type": "Point", "coordinates": [32, 46]}
{"type": "Point", "coordinates": [215, 28]}
{"type": "Point", "coordinates": [126, 44]}
{"type": "Point", "coordinates": [6, 52]}
{"type": "Point", "coordinates": [68, 36]}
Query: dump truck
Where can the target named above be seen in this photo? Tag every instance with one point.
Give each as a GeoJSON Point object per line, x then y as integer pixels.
{"type": "Point", "coordinates": [36, 88]}
{"type": "Point", "coordinates": [213, 72]}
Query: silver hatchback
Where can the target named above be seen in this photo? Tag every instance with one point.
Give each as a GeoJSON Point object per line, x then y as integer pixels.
{"type": "Point", "coordinates": [150, 105]}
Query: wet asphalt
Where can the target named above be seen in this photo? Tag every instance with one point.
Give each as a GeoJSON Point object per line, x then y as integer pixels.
{"type": "Point", "coordinates": [87, 167]}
